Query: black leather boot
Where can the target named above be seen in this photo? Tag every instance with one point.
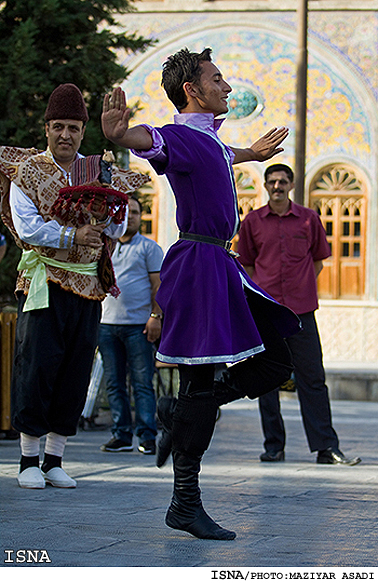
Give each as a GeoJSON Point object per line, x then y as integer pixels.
{"type": "Point", "coordinates": [193, 426]}
{"type": "Point", "coordinates": [186, 511]}
{"type": "Point", "coordinates": [165, 410]}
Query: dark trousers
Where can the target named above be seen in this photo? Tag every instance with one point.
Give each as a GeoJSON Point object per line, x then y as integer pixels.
{"type": "Point", "coordinates": [53, 357]}
{"type": "Point", "coordinates": [312, 393]}
{"type": "Point", "coordinates": [199, 396]}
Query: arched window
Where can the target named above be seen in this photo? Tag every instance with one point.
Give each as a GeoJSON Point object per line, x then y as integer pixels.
{"type": "Point", "coordinates": [338, 195]}
{"type": "Point", "coordinates": [248, 187]}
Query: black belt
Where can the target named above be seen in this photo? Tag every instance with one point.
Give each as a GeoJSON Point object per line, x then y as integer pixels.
{"type": "Point", "coordinates": [211, 240]}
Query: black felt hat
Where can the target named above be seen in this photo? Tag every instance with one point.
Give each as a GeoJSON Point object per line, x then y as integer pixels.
{"type": "Point", "coordinates": [66, 102]}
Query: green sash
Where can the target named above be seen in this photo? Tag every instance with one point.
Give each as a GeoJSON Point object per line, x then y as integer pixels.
{"type": "Point", "coordinates": [34, 265]}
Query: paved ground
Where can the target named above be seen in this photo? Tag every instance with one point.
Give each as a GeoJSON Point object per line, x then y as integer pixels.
{"type": "Point", "coordinates": [292, 514]}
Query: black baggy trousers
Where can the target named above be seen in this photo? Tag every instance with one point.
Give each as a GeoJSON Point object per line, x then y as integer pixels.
{"type": "Point", "coordinates": [53, 358]}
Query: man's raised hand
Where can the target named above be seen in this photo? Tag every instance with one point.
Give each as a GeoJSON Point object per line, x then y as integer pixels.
{"type": "Point", "coordinates": [115, 123]}
{"type": "Point", "coordinates": [267, 146]}
{"type": "Point", "coordinates": [115, 116]}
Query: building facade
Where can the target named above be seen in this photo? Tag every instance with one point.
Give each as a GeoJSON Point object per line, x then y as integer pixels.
{"type": "Point", "coordinates": [254, 44]}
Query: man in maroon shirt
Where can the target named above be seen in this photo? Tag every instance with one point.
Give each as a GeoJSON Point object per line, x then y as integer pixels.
{"type": "Point", "coordinates": [282, 246]}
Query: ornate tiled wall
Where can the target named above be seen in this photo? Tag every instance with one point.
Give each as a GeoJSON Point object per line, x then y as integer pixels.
{"type": "Point", "coordinates": [258, 52]}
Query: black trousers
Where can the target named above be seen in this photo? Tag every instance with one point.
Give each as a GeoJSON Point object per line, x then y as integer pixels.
{"type": "Point", "coordinates": [53, 357]}
{"type": "Point", "coordinates": [312, 393]}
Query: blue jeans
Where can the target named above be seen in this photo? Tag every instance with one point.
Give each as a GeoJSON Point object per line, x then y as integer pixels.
{"type": "Point", "coordinates": [125, 349]}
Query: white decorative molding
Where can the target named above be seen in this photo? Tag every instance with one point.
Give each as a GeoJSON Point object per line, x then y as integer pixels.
{"type": "Point", "coordinates": [349, 333]}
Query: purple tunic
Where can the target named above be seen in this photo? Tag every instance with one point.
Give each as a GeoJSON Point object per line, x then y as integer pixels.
{"type": "Point", "coordinates": [203, 291]}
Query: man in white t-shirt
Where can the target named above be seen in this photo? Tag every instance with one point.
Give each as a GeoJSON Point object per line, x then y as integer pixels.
{"type": "Point", "coordinates": [129, 326]}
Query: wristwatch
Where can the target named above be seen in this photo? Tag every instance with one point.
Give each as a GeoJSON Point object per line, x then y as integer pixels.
{"type": "Point", "coordinates": [156, 316]}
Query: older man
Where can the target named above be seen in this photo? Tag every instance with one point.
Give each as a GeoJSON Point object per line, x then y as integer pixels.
{"type": "Point", "coordinates": [58, 288]}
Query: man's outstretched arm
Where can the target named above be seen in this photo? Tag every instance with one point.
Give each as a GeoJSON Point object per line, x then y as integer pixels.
{"type": "Point", "coordinates": [263, 149]}
{"type": "Point", "coordinates": [115, 123]}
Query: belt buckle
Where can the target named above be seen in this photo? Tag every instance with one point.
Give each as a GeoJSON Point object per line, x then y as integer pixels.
{"type": "Point", "coordinates": [232, 253]}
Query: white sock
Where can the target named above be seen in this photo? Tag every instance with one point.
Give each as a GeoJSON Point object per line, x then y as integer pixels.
{"type": "Point", "coordinates": [29, 445]}
{"type": "Point", "coordinates": [55, 444]}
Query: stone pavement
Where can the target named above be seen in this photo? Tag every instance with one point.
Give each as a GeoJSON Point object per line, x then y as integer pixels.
{"type": "Point", "coordinates": [292, 514]}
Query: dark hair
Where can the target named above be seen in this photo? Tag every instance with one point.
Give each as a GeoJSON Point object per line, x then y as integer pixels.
{"type": "Point", "coordinates": [279, 168]}
{"type": "Point", "coordinates": [182, 67]}
{"type": "Point", "coordinates": [133, 197]}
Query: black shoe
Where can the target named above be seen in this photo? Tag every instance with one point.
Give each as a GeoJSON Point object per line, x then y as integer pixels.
{"type": "Point", "coordinates": [186, 511]}
{"type": "Point", "coordinates": [332, 455]}
{"type": "Point", "coordinates": [117, 445]}
{"type": "Point", "coordinates": [197, 522]}
{"type": "Point", "coordinates": [272, 456]}
{"type": "Point", "coordinates": [147, 447]}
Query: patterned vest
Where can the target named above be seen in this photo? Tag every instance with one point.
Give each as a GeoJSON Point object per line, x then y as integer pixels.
{"type": "Point", "coordinates": [41, 179]}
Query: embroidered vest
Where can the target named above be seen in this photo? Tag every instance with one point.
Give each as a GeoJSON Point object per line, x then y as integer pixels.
{"type": "Point", "coordinates": [41, 179]}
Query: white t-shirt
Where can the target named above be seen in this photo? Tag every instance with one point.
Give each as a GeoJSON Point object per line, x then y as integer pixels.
{"type": "Point", "coordinates": [132, 262]}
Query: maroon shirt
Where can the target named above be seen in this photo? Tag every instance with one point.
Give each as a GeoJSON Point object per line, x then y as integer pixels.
{"type": "Point", "coordinates": [282, 250]}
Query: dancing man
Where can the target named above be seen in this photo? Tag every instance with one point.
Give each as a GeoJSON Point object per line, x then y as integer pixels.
{"type": "Point", "coordinates": [213, 313]}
